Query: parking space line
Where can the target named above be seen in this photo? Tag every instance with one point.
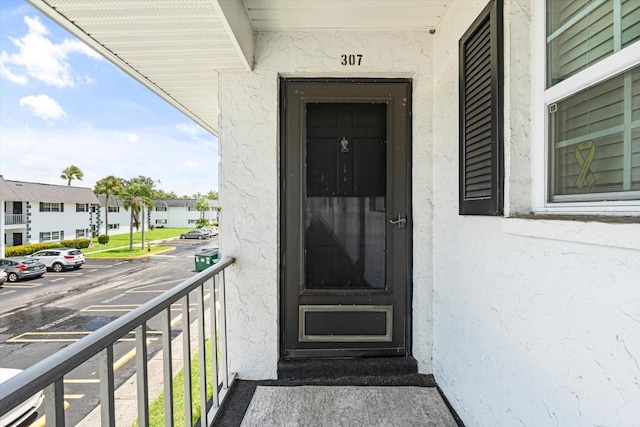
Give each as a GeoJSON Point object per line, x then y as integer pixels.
{"type": "Point", "coordinates": [144, 287]}
{"type": "Point", "coordinates": [73, 396]}
{"type": "Point", "coordinates": [96, 266]}
{"type": "Point", "coordinates": [22, 285]}
{"type": "Point", "coordinates": [65, 274]}
{"type": "Point", "coordinates": [64, 337]}
{"type": "Point", "coordinates": [123, 307]}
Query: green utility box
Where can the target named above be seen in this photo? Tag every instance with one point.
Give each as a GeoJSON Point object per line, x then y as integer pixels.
{"type": "Point", "coordinates": [206, 259]}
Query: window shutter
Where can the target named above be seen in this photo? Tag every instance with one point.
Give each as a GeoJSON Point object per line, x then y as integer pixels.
{"type": "Point", "coordinates": [62, 235]}
{"type": "Point", "coordinates": [61, 207]}
{"type": "Point", "coordinates": [481, 111]}
{"type": "Point", "coordinates": [41, 210]}
{"type": "Point", "coordinates": [41, 234]}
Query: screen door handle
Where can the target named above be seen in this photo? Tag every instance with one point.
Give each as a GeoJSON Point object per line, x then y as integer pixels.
{"type": "Point", "coordinates": [400, 221]}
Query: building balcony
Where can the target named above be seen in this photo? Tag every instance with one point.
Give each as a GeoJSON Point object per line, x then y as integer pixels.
{"type": "Point", "coordinates": [308, 392]}
{"type": "Point", "coordinates": [15, 219]}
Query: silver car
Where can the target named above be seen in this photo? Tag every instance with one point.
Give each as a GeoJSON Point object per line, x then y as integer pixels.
{"type": "Point", "coordinates": [60, 259]}
{"type": "Point", "coordinates": [3, 276]}
{"type": "Point", "coordinates": [18, 269]}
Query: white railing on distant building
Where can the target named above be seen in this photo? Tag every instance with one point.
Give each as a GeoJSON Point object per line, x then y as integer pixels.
{"type": "Point", "coordinates": [14, 219]}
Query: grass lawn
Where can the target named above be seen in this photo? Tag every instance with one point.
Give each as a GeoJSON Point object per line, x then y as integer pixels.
{"type": "Point", "coordinates": [125, 252]}
{"type": "Point", "coordinates": [156, 407]}
{"type": "Point", "coordinates": [118, 240]}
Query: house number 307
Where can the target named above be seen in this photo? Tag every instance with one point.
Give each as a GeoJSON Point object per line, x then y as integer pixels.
{"type": "Point", "coordinates": [353, 59]}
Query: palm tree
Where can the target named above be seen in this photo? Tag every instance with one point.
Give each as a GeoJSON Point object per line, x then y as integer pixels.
{"type": "Point", "coordinates": [134, 198]}
{"type": "Point", "coordinates": [109, 186]}
{"type": "Point", "coordinates": [71, 173]}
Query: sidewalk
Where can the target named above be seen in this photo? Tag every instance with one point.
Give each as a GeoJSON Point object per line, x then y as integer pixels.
{"type": "Point", "coordinates": [151, 242]}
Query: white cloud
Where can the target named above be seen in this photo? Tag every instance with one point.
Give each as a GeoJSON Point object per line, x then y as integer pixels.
{"type": "Point", "coordinates": [189, 164]}
{"type": "Point", "coordinates": [101, 152]}
{"type": "Point", "coordinates": [189, 128]}
{"type": "Point", "coordinates": [43, 106]}
{"type": "Point", "coordinates": [7, 74]}
{"type": "Point", "coordinates": [40, 58]}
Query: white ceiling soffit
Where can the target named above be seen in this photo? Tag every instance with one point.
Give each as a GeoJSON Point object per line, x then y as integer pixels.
{"type": "Point", "coordinates": [175, 48]}
{"type": "Point", "coordinates": [282, 15]}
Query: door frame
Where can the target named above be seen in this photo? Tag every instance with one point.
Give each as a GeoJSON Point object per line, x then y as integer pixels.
{"type": "Point", "coordinates": [282, 214]}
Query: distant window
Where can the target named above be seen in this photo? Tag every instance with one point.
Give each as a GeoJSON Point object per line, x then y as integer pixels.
{"type": "Point", "coordinates": [81, 207]}
{"type": "Point", "coordinates": [93, 208]}
{"type": "Point", "coordinates": [51, 207]}
{"type": "Point", "coordinates": [114, 209]}
{"type": "Point", "coordinates": [193, 221]}
{"type": "Point", "coordinates": [51, 236]}
{"type": "Point", "coordinates": [81, 233]}
{"type": "Point", "coordinates": [161, 208]}
{"type": "Point", "coordinates": [114, 226]}
{"type": "Point", "coordinates": [161, 221]}
{"type": "Point", "coordinates": [191, 208]}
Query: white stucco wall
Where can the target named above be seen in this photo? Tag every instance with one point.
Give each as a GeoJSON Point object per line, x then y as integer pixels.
{"type": "Point", "coordinates": [68, 221]}
{"type": "Point", "coordinates": [536, 323]}
{"type": "Point", "coordinates": [249, 176]}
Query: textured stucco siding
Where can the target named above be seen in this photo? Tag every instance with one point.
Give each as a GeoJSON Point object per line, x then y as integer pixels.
{"type": "Point", "coordinates": [536, 323]}
{"type": "Point", "coordinates": [68, 221]}
{"type": "Point", "coordinates": [249, 193]}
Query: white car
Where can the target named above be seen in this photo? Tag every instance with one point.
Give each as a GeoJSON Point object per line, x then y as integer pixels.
{"type": "Point", "coordinates": [59, 259]}
{"type": "Point", "coordinates": [23, 411]}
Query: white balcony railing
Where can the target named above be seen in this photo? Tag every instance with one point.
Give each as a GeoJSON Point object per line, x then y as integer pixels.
{"type": "Point", "coordinates": [15, 219]}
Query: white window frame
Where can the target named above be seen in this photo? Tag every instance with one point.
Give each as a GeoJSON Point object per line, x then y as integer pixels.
{"type": "Point", "coordinates": [192, 221]}
{"type": "Point", "coordinates": [50, 236]}
{"type": "Point", "coordinates": [116, 209]}
{"type": "Point", "coordinates": [49, 207]}
{"type": "Point", "coordinates": [542, 97]}
{"type": "Point", "coordinates": [161, 208]}
{"type": "Point", "coordinates": [113, 226]}
{"type": "Point", "coordinates": [82, 207]}
{"type": "Point", "coordinates": [161, 221]}
{"type": "Point", "coordinates": [81, 232]}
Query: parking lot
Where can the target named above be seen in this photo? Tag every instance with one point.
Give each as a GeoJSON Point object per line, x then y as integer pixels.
{"type": "Point", "coordinates": [39, 317]}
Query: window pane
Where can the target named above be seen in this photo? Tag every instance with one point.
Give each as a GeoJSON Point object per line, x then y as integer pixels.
{"type": "Point", "coordinates": [630, 21]}
{"type": "Point", "coordinates": [577, 39]}
{"type": "Point", "coordinates": [594, 141]}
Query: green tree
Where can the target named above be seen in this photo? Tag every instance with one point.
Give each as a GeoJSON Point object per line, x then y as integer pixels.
{"type": "Point", "coordinates": [202, 205]}
{"type": "Point", "coordinates": [71, 173]}
{"type": "Point", "coordinates": [109, 186]}
{"type": "Point", "coordinates": [135, 197]}
{"type": "Point", "coordinates": [212, 195]}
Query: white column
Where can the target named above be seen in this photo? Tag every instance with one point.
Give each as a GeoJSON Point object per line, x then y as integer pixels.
{"type": "Point", "coordinates": [1, 228]}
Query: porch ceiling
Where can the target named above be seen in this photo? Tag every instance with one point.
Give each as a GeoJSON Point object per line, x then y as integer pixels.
{"type": "Point", "coordinates": [176, 48]}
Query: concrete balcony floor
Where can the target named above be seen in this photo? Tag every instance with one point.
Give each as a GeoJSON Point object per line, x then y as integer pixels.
{"type": "Point", "coordinates": [318, 394]}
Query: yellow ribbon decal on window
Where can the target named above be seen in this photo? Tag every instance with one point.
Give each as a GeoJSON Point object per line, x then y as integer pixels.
{"type": "Point", "coordinates": [585, 175]}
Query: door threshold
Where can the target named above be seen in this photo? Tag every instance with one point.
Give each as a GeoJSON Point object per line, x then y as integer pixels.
{"type": "Point", "coordinates": [341, 368]}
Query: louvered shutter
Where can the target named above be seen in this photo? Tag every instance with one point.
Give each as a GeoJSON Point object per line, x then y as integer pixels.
{"type": "Point", "coordinates": [481, 166]}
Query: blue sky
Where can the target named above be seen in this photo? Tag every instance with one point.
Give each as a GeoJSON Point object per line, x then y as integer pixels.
{"type": "Point", "coordinates": [62, 104]}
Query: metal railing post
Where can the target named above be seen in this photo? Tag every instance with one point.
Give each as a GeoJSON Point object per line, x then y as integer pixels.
{"type": "Point", "coordinates": [54, 403]}
{"type": "Point", "coordinates": [141, 371]}
{"type": "Point", "coordinates": [224, 367]}
{"type": "Point", "coordinates": [167, 368]}
{"type": "Point", "coordinates": [186, 357]}
{"type": "Point", "coordinates": [107, 402]}
{"type": "Point", "coordinates": [202, 355]}
{"type": "Point", "coordinates": [214, 341]}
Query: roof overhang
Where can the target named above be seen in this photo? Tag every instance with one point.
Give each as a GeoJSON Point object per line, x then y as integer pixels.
{"type": "Point", "coordinates": [176, 48]}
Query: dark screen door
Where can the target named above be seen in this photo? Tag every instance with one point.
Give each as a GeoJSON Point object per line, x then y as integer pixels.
{"type": "Point", "coordinates": [345, 218]}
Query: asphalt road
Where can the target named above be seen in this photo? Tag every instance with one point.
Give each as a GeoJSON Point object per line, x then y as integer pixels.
{"type": "Point", "coordinates": [39, 317]}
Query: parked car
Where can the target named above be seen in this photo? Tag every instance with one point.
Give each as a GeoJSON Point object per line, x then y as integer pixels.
{"type": "Point", "coordinates": [3, 276]}
{"type": "Point", "coordinates": [207, 230]}
{"type": "Point", "coordinates": [26, 409]}
{"type": "Point", "coordinates": [195, 234]}
{"type": "Point", "coordinates": [60, 259]}
{"type": "Point", "coordinates": [22, 269]}
{"type": "Point", "coordinates": [213, 231]}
